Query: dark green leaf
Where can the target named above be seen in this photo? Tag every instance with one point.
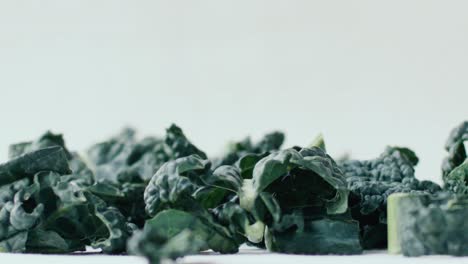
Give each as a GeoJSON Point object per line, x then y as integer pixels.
{"type": "Point", "coordinates": [26, 165]}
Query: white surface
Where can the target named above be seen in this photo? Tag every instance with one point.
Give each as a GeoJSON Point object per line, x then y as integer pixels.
{"type": "Point", "coordinates": [246, 256]}
{"type": "Point", "coordinates": [365, 73]}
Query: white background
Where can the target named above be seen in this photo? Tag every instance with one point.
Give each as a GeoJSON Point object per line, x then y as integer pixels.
{"type": "Point", "coordinates": [365, 73]}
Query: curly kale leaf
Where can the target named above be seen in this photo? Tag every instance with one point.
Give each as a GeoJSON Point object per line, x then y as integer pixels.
{"type": "Point", "coordinates": [157, 244]}
{"type": "Point", "coordinates": [48, 139]}
{"type": "Point", "coordinates": [24, 204]}
{"type": "Point", "coordinates": [236, 150]}
{"type": "Point", "coordinates": [124, 158]}
{"type": "Point", "coordinates": [71, 210]}
{"type": "Point", "coordinates": [126, 197]}
{"type": "Point", "coordinates": [372, 181]}
{"type": "Point", "coordinates": [109, 158]}
{"type": "Point", "coordinates": [48, 210]}
{"type": "Point", "coordinates": [240, 223]}
{"type": "Point", "coordinates": [79, 217]}
{"type": "Point", "coordinates": [424, 224]}
{"type": "Point", "coordinates": [16, 218]}
{"type": "Point", "coordinates": [117, 230]}
{"type": "Point", "coordinates": [174, 184]}
{"type": "Point", "coordinates": [177, 186]}
{"type": "Point", "coordinates": [454, 167]}
{"type": "Point", "coordinates": [455, 148]}
{"type": "Point", "coordinates": [457, 180]}
{"type": "Point", "coordinates": [208, 233]}
{"type": "Point", "coordinates": [28, 164]}
{"type": "Point", "coordinates": [8, 191]}
{"type": "Point", "coordinates": [149, 154]}
{"type": "Point", "coordinates": [179, 145]}
{"type": "Point", "coordinates": [311, 194]}
{"type": "Point", "coordinates": [81, 173]}
{"type": "Point", "coordinates": [307, 178]}
{"type": "Point", "coordinates": [289, 188]}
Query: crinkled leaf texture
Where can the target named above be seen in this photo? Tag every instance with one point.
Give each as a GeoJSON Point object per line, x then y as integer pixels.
{"type": "Point", "coordinates": [174, 183]}
{"type": "Point", "coordinates": [16, 218]}
{"type": "Point", "coordinates": [46, 208]}
{"type": "Point", "coordinates": [457, 180]}
{"type": "Point", "coordinates": [28, 164]}
{"type": "Point", "coordinates": [126, 197]}
{"type": "Point", "coordinates": [124, 158]}
{"type": "Point", "coordinates": [237, 150]}
{"type": "Point", "coordinates": [174, 233]}
{"type": "Point", "coordinates": [372, 181]}
{"type": "Point", "coordinates": [455, 165]}
{"type": "Point", "coordinates": [175, 186]}
{"type": "Point", "coordinates": [20, 210]}
{"type": "Point", "coordinates": [46, 140]}
{"type": "Point", "coordinates": [205, 230]}
{"type": "Point", "coordinates": [306, 178]}
{"type": "Point", "coordinates": [291, 193]}
{"type": "Point", "coordinates": [455, 148]}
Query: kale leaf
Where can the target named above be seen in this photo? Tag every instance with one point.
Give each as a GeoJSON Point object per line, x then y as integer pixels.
{"type": "Point", "coordinates": [46, 206]}
{"type": "Point", "coordinates": [123, 158]}
{"type": "Point", "coordinates": [236, 150]}
{"type": "Point", "coordinates": [455, 165]}
{"type": "Point", "coordinates": [28, 164]}
{"type": "Point", "coordinates": [157, 241]}
{"type": "Point", "coordinates": [372, 181]}
{"type": "Point", "coordinates": [174, 186]}
{"type": "Point", "coordinates": [424, 224]}
{"type": "Point", "coordinates": [163, 198]}
{"type": "Point", "coordinates": [289, 189]}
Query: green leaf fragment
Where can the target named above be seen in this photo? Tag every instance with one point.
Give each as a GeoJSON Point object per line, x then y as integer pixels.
{"type": "Point", "coordinates": [26, 165]}
{"type": "Point", "coordinates": [424, 224]}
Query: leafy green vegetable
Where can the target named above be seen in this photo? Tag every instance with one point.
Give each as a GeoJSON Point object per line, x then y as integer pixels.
{"type": "Point", "coordinates": [455, 148]}
{"type": "Point", "coordinates": [125, 159]}
{"type": "Point", "coordinates": [454, 167]}
{"type": "Point", "coordinates": [174, 186]}
{"type": "Point", "coordinates": [163, 198]}
{"type": "Point", "coordinates": [46, 207]}
{"type": "Point", "coordinates": [42, 241]}
{"type": "Point", "coordinates": [16, 218]}
{"type": "Point", "coordinates": [424, 224]}
{"type": "Point", "coordinates": [306, 178]}
{"type": "Point", "coordinates": [174, 183]}
{"type": "Point", "coordinates": [372, 181]}
{"type": "Point", "coordinates": [236, 150]}
{"type": "Point", "coordinates": [26, 165]}
{"type": "Point", "coordinates": [81, 173]}
{"type": "Point", "coordinates": [157, 244]}
{"type": "Point", "coordinates": [289, 189]}
{"type": "Point", "coordinates": [316, 236]}
{"type": "Point", "coordinates": [126, 197]}
{"type": "Point", "coordinates": [208, 234]}
{"type": "Point", "coordinates": [457, 180]}
{"type": "Point", "coordinates": [48, 139]}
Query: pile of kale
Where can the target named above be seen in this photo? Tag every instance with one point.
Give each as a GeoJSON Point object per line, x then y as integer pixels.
{"type": "Point", "coordinates": [163, 198]}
